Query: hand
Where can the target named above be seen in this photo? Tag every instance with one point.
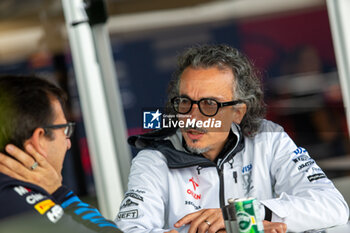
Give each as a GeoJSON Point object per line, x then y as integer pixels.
{"type": "Point", "coordinates": [274, 227]}
{"type": "Point", "coordinates": [172, 231]}
{"type": "Point", "coordinates": [205, 220]}
{"type": "Point", "coordinates": [44, 175]}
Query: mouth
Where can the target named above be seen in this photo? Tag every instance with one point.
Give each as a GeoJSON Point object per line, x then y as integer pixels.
{"type": "Point", "coordinates": [194, 134]}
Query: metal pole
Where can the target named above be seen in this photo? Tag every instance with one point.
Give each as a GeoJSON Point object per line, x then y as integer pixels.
{"type": "Point", "coordinates": [115, 107]}
{"type": "Point", "coordinates": [95, 109]}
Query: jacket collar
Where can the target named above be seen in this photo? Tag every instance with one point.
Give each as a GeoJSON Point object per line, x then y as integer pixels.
{"type": "Point", "coordinates": [6, 181]}
{"type": "Point", "coordinates": [169, 142]}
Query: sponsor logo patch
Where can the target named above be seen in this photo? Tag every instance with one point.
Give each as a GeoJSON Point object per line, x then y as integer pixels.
{"type": "Point", "coordinates": [316, 177]}
{"type": "Point", "coordinates": [33, 198]}
{"type": "Point", "coordinates": [299, 150]}
{"type": "Point", "coordinates": [137, 191]}
{"type": "Point", "coordinates": [131, 214]}
{"type": "Point", "coordinates": [134, 195]}
{"type": "Point", "coordinates": [247, 168]}
{"type": "Point", "coordinates": [307, 164]}
{"type": "Point", "coordinates": [196, 207]}
{"type": "Point", "coordinates": [317, 169]}
{"type": "Point", "coordinates": [44, 206]}
{"type": "Point", "coordinates": [128, 203]}
{"type": "Point", "coordinates": [21, 190]}
{"type": "Point", "coordinates": [301, 158]}
{"type": "Point", "coordinates": [55, 213]}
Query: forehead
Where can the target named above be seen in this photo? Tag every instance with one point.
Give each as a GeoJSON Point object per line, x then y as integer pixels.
{"type": "Point", "coordinates": [207, 82]}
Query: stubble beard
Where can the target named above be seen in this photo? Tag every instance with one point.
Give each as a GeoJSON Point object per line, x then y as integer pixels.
{"type": "Point", "coordinates": [197, 150]}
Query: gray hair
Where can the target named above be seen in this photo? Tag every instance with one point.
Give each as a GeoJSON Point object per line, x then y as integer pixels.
{"type": "Point", "coordinates": [246, 86]}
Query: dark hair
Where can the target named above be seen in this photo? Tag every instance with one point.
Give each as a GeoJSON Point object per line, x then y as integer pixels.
{"type": "Point", "coordinates": [246, 86]}
{"type": "Point", "coordinates": [25, 104]}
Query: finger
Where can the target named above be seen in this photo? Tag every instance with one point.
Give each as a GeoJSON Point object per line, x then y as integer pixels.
{"type": "Point", "coordinates": [13, 165]}
{"type": "Point", "coordinates": [16, 170]}
{"type": "Point", "coordinates": [203, 227]}
{"type": "Point", "coordinates": [20, 155]}
{"type": "Point", "coordinates": [212, 228]}
{"type": "Point", "coordinates": [278, 227]}
{"type": "Point", "coordinates": [200, 221]}
{"type": "Point", "coordinates": [216, 221]}
{"type": "Point", "coordinates": [188, 218]}
{"type": "Point", "coordinates": [216, 225]}
{"type": "Point", "coordinates": [274, 227]}
{"type": "Point", "coordinates": [36, 155]}
{"type": "Point", "coordinates": [5, 170]}
{"type": "Point", "coordinates": [213, 217]}
{"type": "Point", "coordinates": [221, 231]}
{"type": "Point", "coordinates": [282, 228]}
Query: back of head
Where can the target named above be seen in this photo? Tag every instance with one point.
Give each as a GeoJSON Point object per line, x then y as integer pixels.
{"type": "Point", "coordinates": [246, 86]}
{"type": "Point", "coordinates": [25, 104]}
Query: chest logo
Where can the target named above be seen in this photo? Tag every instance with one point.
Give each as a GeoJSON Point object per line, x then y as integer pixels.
{"type": "Point", "coordinates": [193, 192]}
{"type": "Point", "coordinates": [194, 183]}
{"type": "Point", "coordinates": [247, 179]}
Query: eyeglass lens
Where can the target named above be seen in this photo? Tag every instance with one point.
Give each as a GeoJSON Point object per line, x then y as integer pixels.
{"type": "Point", "coordinates": [68, 131]}
{"type": "Point", "coordinates": [68, 128]}
{"type": "Point", "coordinates": [207, 107]}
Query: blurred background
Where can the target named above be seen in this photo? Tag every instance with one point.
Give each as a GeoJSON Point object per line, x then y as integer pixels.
{"type": "Point", "coordinates": [290, 43]}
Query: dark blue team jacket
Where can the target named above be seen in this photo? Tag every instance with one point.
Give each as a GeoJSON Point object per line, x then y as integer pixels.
{"type": "Point", "coordinates": [61, 210]}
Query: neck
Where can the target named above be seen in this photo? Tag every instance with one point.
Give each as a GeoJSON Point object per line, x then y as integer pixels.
{"type": "Point", "coordinates": [213, 153]}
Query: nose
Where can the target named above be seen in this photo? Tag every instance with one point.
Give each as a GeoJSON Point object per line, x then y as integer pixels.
{"type": "Point", "coordinates": [69, 144]}
{"type": "Point", "coordinates": [195, 113]}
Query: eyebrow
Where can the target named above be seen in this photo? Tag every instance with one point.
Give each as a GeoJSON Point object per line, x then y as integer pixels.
{"type": "Point", "coordinates": [217, 98]}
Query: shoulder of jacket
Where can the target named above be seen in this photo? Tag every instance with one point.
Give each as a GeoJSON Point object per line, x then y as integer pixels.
{"type": "Point", "coordinates": [268, 131]}
{"type": "Point", "coordinates": [150, 156]}
{"type": "Point", "coordinates": [270, 127]}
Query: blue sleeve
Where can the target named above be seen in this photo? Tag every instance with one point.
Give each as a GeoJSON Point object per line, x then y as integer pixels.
{"type": "Point", "coordinates": [82, 212]}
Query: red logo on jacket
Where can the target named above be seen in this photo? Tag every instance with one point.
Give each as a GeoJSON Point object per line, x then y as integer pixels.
{"type": "Point", "coordinates": [192, 192]}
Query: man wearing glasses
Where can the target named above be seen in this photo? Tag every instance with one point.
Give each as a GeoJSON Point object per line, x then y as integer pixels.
{"type": "Point", "coordinates": [32, 118]}
{"type": "Point", "coordinates": [182, 176]}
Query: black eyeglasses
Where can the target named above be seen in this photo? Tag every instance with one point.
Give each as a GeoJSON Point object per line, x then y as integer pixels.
{"type": "Point", "coordinates": [207, 106]}
{"type": "Point", "coordinates": [68, 128]}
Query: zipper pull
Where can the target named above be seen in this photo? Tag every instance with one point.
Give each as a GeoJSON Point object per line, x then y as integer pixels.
{"type": "Point", "coordinates": [199, 170]}
{"type": "Point", "coordinates": [231, 163]}
{"type": "Point", "coordinates": [235, 176]}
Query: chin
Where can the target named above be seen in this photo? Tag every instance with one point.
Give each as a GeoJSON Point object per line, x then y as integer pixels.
{"type": "Point", "coordinates": [193, 143]}
{"type": "Point", "coordinates": [197, 149]}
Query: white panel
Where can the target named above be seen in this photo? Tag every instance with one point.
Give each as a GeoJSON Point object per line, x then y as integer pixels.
{"type": "Point", "coordinates": [114, 103]}
{"type": "Point", "coordinates": [339, 16]}
{"type": "Point", "coordinates": [95, 112]}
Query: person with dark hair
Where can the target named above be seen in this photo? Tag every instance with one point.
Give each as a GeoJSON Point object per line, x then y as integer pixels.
{"type": "Point", "coordinates": [184, 174]}
{"type": "Point", "coordinates": [32, 118]}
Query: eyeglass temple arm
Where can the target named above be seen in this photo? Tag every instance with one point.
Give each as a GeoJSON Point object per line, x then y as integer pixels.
{"type": "Point", "coordinates": [234, 102]}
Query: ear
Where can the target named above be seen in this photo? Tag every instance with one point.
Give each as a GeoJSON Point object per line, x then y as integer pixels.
{"type": "Point", "coordinates": [239, 112]}
{"type": "Point", "coordinates": [39, 141]}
